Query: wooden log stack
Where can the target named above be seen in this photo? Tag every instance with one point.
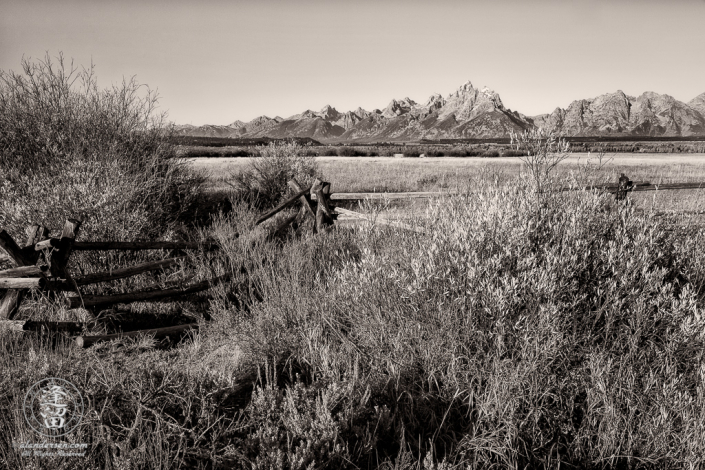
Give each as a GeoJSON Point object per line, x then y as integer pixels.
{"type": "Point", "coordinates": [42, 264]}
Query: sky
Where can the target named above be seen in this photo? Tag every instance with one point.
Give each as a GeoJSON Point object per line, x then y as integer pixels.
{"type": "Point", "coordinates": [214, 62]}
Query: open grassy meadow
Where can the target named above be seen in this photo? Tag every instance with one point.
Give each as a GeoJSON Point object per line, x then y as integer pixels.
{"type": "Point", "coordinates": [519, 328]}
{"type": "Point", "coordinates": [370, 174]}
{"type": "Point", "coordinates": [388, 174]}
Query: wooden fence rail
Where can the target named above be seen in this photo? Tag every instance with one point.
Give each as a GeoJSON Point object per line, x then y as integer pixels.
{"type": "Point", "coordinates": [43, 261]}
{"type": "Point", "coordinates": [379, 220]}
{"type": "Point", "coordinates": [147, 245]}
{"type": "Point", "coordinates": [52, 274]}
{"type": "Point", "coordinates": [92, 301]}
{"type": "Point", "coordinates": [608, 187]}
{"type": "Point", "coordinates": [85, 341]}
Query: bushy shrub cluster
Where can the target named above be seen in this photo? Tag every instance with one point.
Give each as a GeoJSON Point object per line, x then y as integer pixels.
{"type": "Point", "coordinates": [516, 334]}
{"type": "Point", "coordinates": [263, 182]}
{"type": "Point", "coordinates": [69, 149]}
{"type": "Point", "coordinates": [345, 151]}
{"type": "Point", "coordinates": [205, 152]}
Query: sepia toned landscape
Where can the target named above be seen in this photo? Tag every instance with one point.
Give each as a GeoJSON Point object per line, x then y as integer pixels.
{"type": "Point", "coordinates": [439, 286]}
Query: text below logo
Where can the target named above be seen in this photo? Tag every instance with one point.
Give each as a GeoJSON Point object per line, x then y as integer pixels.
{"type": "Point", "coordinates": [53, 407]}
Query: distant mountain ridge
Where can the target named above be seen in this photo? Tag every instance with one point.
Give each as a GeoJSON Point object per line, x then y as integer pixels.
{"type": "Point", "coordinates": [470, 112]}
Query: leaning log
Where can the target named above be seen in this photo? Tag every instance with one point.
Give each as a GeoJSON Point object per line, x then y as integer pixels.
{"type": "Point", "coordinates": [289, 202]}
{"type": "Point", "coordinates": [305, 199]}
{"type": "Point", "coordinates": [280, 230]}
{"type": "Point", "coordinates": [25, 271]}
{"type": "Point", "coordinates": [89, 301]}
{"type": "Point", "coordinates": [125, 272]}
{"type": "Point", "coordinates": [143, 245]}
{"type": "Point", "coordinates": [45, 326]}
{"type": "Point", "coordinates": [8, 244]}
{"type": "Point", "coordinates": [86, 341]}
{"type": "Point", "coordinates": [22, 282]}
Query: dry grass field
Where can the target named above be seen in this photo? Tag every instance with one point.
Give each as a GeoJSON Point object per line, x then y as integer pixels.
{"type": "Point", "coordinates": [387, 174]}
{"type": "Point", "coordinates": [516, 328]}
{"type": "Point", "coordinates": [363, 174]}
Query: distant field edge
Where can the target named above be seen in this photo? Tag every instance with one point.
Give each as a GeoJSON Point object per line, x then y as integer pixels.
{"type": "Point", "coordinates": [206, 141]}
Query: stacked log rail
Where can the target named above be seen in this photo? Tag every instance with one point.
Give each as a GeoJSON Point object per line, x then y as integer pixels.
{"type": "Point", "coordinates": [43, 278]}
{"type": "Point", "coordinates": [52, 276]}
{"type": "Point", "coordinates": [607, 187]}
{"type": "Point", "coordinates": [316, 203]}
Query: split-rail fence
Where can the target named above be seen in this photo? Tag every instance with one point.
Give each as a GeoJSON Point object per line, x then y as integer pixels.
{"type": "Point", "coordinates": [42, 263]}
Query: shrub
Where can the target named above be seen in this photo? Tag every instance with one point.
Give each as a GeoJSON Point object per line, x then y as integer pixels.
{"type": "Point", "coordinates": [216, 152]}
{"type": "Point", "coordinates": [71, 149]}
{"type": "Point", "coordinates": [347, 152]}
{"type": "Point", "coordinates": [263, 183]}
{"type": "Point", "coordinates": [513, 153]}
{"type": "Point", "coordinates": [544, 151]}
{"type": "Point", "coordinates": [510, 335]}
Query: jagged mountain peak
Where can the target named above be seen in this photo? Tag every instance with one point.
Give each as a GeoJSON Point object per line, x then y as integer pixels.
{"type": "Point", "coordinates": [493, 97]}
{"type": "Point", "coordinates": [362, 112]}
{"type": "Point", "coordinates": [471, 112]}
{"type": "Point", "coordinates": [329, 113]}
{"type": "Point", "coordinates": [698, 104]}
{"type": "Point", "coordinates": [435, 99]}
{"type": "Point", "coordinates": [398, 107]}
{"type": "Point", "coordinates": [308, 114]}
{"type": "Point", "coordinates": [468, 103]}
{"type": "Point", "coordinates": [261, 119]}
{"type": "Point", "coordinates": [465, 88]}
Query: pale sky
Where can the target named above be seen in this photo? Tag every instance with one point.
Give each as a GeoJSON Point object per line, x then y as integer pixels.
{"type": "Point", "coordinates": [217, 61]}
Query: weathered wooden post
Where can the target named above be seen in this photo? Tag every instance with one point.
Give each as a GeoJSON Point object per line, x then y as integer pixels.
{"type": "Point", "coordinates": [307, 205]}
{"type": "Point", "coordinates": [60, 258]}
{"type": "Point", "coordinates": [324, 214]}
{"type": "Point", "coordinates": [625, 185]}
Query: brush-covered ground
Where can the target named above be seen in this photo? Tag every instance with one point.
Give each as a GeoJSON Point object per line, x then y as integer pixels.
{"type": "Point", "coordinates": [522, 330]}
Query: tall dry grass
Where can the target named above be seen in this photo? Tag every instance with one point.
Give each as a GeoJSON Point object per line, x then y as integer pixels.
{"type": "Point", "coordinates": [516, 334]}
{"type": "Point", "coordinates": [519, 332]}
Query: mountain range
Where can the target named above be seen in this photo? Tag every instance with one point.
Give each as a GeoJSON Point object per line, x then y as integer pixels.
{"type": "Point", "coordinates": [471, 112]}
